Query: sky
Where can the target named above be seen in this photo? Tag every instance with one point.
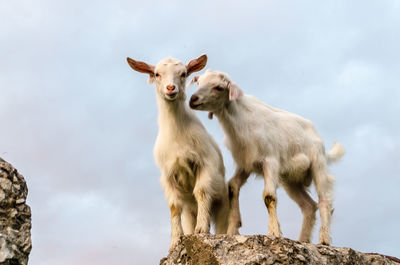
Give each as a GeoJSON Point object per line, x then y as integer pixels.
{"type": "Point", "coordinates": [80, 125]}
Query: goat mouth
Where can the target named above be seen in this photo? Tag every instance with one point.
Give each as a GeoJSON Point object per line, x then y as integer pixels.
{"type": "Point", "coordinates": [171, 96]}
{"type": "Point", "coordinates": [195, 106]}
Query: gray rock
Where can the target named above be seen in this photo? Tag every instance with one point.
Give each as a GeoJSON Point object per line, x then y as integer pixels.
{"type": "Point", "coordinates": [15, 217]}
{"type": "Point", "coordinates": [259, 250]}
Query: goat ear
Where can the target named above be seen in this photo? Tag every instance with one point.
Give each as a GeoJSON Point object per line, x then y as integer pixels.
{"type": "Point", "coordinates": [196, 65]}
{"type": "Point", "coordinates": [142, 67]}
{"type": "Point", "coordinates": [234, 91]}
{"type": "Point", "coordinates": [194, 79]}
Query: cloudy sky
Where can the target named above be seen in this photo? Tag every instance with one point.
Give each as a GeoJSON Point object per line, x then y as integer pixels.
{"type": "Point", "coordinates": [80, 125]}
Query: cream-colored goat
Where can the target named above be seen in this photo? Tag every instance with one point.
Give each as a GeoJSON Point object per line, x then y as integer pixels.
{"type": "Point", "coordinates": [281, 146]}
{"type": "Point", "coordinates": [191, 164]}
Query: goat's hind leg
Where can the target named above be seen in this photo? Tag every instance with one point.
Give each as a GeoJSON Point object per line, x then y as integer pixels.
{"type": "Point", "coordinates": [235, 183]}
{"type": "Point", "coordinates": [220, 216]}
{"type": "Point", "coordinates": [271, 180]}
{"type": "Point", "coordinates": [308, 207]}
{"type": "Point", "coordinates": [220, 212]}
{"type": "Point", "coordinates": [324, 186]}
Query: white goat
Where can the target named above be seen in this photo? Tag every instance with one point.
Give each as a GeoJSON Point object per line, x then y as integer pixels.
{"type": "Point", "coordinates": [191, 164]}
{"type": "Point", "coordinates": [281, 146]}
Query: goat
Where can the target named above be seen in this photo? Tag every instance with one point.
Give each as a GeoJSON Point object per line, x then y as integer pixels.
{"type": "Point", "coordinates": [191, 164]}
{"type": "Point", "coordinates": [281, 146]}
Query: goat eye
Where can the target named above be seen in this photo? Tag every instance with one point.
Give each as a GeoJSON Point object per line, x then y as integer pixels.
{"type": "Point", "coordinates": [157, 74]}
{"type": "Point", "coordinates": [183, 75]}
{"type": "Point", "coordinates": [218, 88]}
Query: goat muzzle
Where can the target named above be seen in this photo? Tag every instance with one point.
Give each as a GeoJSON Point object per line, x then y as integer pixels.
{"type": "Point", "coordinates": [192, 102]}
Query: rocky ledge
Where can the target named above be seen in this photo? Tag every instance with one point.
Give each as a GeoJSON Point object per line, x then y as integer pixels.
{"type": "Point", "coordinates": [260, 250]}
{"type": "Point", "coordinates": [15, 217]}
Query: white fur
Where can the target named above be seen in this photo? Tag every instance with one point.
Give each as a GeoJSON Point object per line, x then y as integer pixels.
{"type": "Point", "coordinates": [191, 164]}
{"type": "Point", "coordinates": [281, 146]}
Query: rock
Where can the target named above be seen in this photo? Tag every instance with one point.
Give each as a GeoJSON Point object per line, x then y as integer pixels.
{"type": "Point", "coordinates": [15, 217]}
{"type": "Point", "coordinates": [207, 249]}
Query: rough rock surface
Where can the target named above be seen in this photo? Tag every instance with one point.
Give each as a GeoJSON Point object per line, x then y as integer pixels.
{"type": "Point", "coordinates": [15, 217]}
{"type": "Point", "coordinates": [260, 250]}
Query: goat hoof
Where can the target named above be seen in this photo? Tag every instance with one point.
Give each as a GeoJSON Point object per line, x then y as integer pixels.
{"type": "Point", "coordinates": [173, 244]}
{"type": "Point", "coordinates": [274, 235]}
{"type": "Point", "coordinates": [200, 230]}
{"type": "Point", "coordinates": [305, 240]}
{"type": "Point", "coordinates": [324, 236]}
{"type": "Point", "coordinates": [324, 240]}
{"type": "Point", "coordinates": [233, 231]}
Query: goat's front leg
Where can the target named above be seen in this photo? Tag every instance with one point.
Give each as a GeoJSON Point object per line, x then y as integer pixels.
{"type": "Point", "coordinates": [271, 180]}
{"type": "Point", "coordinates": [203, 212]}
{"type": "Point", "coordinates": [175, 208]}
{"type": "Point", "coordinates": [188, 219]}
{"type": "Point", "coordinates": [203, 195]}
{"type": "Point", "coordinates": [176, 225]}
{"type": "Point", "coordinates": [235, 183]}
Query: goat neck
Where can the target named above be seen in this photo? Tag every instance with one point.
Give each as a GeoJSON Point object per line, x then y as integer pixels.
{"type": "Point", "coordinates": [173, 114]}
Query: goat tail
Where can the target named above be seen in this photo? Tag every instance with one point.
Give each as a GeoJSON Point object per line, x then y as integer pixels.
{"type": "Point", "coordinates": [336, 152]}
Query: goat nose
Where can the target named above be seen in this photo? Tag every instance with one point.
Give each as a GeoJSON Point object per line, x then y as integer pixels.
{"type": "Point", "coordinates": [193, 99]}
{"type": "Point", "coordinates": [171, 87]}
